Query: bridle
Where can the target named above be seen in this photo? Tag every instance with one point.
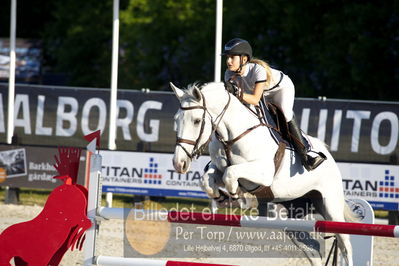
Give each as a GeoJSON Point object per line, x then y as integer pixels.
{"type": "Point", "coordinates": [198, 150]}
{"type": "Point", "coordinates": [227, 144]}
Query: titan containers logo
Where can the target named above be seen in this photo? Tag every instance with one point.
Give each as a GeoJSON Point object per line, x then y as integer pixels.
{"type": "Point", "coordinates": [151, 175]}
{"type": "Point", "coordinates": [381, 186]}
{"type": "Point", "coordinates": [387, 187]}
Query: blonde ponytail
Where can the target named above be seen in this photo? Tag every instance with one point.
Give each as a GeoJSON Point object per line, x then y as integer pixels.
{"type": "Point", "coordinates": [269, 77]}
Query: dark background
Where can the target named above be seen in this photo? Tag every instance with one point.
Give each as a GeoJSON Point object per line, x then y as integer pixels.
{"type": "Point", "coordinates": [338, 49]}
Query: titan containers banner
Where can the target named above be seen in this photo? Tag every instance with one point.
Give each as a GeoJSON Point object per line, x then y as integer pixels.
{"type": "Point", "coordinates": [144, 173]}
{"type": "Point", "coordinates": [150, 174]}
{"type": "Point", "coordinates": [376, 183]}
{"type": "Point", "coordinates": [153, 174]}
{"type": "Point", "coordinates": [356, 131]}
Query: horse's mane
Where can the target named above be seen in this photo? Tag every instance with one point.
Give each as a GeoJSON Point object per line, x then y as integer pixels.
{"type": "Point", "coordinates": [189, 91]}
{"type": "Point", "coordinates": [201, 86]}
{"type": "Point", "coordinates": [190, 88]}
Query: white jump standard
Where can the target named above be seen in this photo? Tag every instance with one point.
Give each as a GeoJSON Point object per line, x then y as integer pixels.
{"type": "Point", "coordinates": [93, 213]}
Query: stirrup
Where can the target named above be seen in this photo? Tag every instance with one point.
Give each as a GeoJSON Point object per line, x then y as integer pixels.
{"type": "Point", "coordinates": [313, 162]}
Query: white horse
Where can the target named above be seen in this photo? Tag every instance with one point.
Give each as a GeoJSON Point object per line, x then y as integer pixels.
{"type": "Point", "coordinates": [250, 158]}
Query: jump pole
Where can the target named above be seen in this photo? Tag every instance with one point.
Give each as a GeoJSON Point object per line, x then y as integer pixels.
{"type": "Point", "coordinates": [106, 260]}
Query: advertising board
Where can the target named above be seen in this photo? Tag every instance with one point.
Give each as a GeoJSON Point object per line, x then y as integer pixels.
{"type": "Point", "coordinates": [376, 183]}
{"type": "Point", "coordinates": [153, 174]}
{"type": "Point", "coordinates": [31, 167]}
{"type": "Point", "coordinates": [150, 174]}
{"type": "Point", "coordinates": [355, 131]}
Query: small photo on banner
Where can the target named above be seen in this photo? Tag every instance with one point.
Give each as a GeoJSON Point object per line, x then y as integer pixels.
{"type": "Point", "coordinates": [151, 175]}
{"type": "Point", "coordinates": [13, 162]}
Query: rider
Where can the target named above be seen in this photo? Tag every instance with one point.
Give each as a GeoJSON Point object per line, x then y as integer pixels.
{"type": "Point", "coordinates": [254, 78]}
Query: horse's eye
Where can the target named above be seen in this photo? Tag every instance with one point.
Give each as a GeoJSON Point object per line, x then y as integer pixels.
{"type": "Point", "coordinates": [197, 121]}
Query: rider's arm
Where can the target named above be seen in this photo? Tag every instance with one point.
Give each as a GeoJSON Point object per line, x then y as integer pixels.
{"type": "Point", "coordinates": [255, 97]}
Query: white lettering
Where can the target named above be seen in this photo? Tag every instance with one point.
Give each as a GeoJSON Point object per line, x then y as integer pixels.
{"type": "Point", "coordinates": [390, 147]}
{"type": "Point", "coordinates": [357, 117]}
{"type": "Point", "coordinates": [154, 124]}
{"type": "Point", "coordinates": [305, 120]}
{"type": "Point", "coordinates": [63, 115]}
{"type": "Point", "coordinates": [40, 129]}
{"type": "Point", "coordinates": [336, 130]}
{"type": "Point", "coordinates": [102, 115]}
{"type": "Point", "coordinates": [2, 122]}
{"type": "Point", "coordinates": [272, 212]}
{"type": "Point", "coordinates": [22, 101]}
{"type": "Point", "coordinates": [125, 121]}
{"type": "Point", "coordinates": [321, 131]}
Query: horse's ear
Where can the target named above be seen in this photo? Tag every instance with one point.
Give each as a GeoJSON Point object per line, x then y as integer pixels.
{"type": "Point", "coordinates": [197, 94]}
{"type": "Point", "coordinates": [179, 93]}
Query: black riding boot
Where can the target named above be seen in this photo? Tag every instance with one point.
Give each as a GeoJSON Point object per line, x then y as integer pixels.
{"type": "Point", "coordinates": [309, 162]}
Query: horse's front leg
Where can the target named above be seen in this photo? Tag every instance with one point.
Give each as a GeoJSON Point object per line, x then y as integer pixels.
{"type": "Point", "coordinates": [260, 172]}
{"type": "Point", "coordinates": [211, 181]}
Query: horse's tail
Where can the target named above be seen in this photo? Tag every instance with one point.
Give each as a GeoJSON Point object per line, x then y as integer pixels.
{"type": "Point", "coordinates": [349, 215]}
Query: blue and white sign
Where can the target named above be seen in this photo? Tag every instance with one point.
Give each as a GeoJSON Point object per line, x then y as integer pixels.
{"type": "Point", "coordinates": [150, 174]}
{"type": "Point", "coordinates": [376, 183]}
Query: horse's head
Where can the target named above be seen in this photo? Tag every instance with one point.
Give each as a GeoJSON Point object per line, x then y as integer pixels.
{"type": "Point", "coordinates": [193, 125]}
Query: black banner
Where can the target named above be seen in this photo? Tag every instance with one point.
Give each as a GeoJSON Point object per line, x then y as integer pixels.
{"type": "Point", "coordinates": [355, 131]}
{"type": "Point", "coordinates": [62, 116]}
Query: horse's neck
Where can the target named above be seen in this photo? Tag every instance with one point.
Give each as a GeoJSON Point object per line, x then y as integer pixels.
{"type": "Point", "coordinates": [235, 120]}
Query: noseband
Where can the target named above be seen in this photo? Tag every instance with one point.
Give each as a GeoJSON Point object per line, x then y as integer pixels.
{"type": "Point", "coordinates": [197, 151]}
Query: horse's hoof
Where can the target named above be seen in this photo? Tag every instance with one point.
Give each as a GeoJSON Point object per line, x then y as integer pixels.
{"type": "Point", "coordinates": [220, 199]}
{"type": "Point", "coordinates": [234, 196]}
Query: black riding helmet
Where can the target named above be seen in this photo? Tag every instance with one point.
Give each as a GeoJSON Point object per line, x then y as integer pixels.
{"type": "Point", "coordinates": [238, 46]}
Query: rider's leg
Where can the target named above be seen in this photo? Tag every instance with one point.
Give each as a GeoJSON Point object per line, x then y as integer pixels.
{"type": "Point", "coordinates": [309, 162]}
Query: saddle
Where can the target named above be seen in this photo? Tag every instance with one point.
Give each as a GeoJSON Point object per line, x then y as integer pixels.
{"type": "Point", "coordinates": [274, 116]}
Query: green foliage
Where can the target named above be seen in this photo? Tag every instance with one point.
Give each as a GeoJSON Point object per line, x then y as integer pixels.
{"type": "Point", "coordinates": [166, 40]}
{"type": "Point", "coordinates": [80, 41]}
{"type": "Point", "coordinates": [340, 49]}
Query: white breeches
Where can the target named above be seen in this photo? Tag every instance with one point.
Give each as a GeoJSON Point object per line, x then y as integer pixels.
{"type": "Point", "coordinates": [283, 96]}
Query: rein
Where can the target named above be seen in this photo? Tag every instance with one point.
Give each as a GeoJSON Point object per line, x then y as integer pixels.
{"type": "Point", "coordinates": [227, 144]}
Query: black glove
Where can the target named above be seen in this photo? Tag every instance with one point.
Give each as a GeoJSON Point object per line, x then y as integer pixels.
{"type": "Point", "coordinates": [232, 87]}
{"type": "Point", "coordinates": [229, 85]}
